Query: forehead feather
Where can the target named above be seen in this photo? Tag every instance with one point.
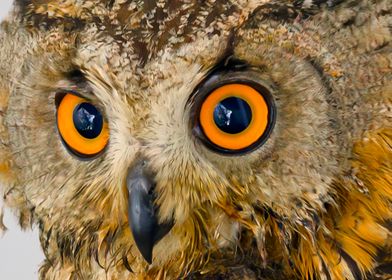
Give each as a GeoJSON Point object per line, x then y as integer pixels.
{"type": "Point", "coordinates": [149, 25]}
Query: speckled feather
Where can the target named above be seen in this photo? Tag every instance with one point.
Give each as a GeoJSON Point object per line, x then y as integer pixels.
{"type": "Point", "coordinates": [314, 202]}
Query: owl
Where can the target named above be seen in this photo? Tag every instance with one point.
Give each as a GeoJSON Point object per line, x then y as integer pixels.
{"type": "Point", "coordinates": [185, 139]}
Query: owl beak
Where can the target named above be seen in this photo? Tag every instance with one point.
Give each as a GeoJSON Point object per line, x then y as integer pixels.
{"type": "Point", "coordinates": [142, 213]}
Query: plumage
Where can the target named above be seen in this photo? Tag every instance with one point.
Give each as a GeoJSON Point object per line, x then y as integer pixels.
{"type": "Point", "coordinates": [312, 202]}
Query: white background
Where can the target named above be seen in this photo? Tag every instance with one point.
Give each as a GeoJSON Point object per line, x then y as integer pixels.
{"type": "Point", "coordinates": [20, 253]}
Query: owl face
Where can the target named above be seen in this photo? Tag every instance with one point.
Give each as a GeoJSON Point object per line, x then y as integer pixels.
{"type": "Point", "coordinates": [165, 124]}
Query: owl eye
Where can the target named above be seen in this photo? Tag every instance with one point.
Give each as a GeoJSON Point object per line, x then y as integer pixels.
{"type": "Point", "coordinates": [236, 116]}
{"type": "Point", "coordinates": [81, 126]}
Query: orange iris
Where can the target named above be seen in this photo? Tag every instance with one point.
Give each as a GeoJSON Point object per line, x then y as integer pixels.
{"type": "Point", "coordinates": [215, 115]}
{"type": "Point", "coordinates": [71, 113]}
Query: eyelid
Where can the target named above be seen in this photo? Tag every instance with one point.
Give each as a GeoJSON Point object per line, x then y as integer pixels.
{"type": "Point", "coordinates": [77, 84]}
{"type": "Point", "coordinates": [224, 66]}
{"type": "Point", "coordinates": [61, 93]}
{"type": "Point", "coordinates": [89, 97]}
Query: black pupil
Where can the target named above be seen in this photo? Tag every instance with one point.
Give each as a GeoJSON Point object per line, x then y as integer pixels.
{"type": "Point", "coordinates": [87, 120]}
{"type": "Point", "coordinates": [232, 115]}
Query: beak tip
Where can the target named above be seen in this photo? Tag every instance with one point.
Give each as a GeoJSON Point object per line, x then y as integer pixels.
{"type": "Point", "coordinates": [144, 243]}
{"type": "Point", "coordinates": [147, 255]}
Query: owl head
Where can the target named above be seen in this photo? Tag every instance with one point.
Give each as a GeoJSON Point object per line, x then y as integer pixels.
{"type": "Point", "coordinates": [154, 136]}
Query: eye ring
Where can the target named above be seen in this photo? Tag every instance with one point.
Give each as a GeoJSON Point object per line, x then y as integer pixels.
{"type": "Point", "coordinates": [208, 94]}
{"type": "Point", "coordinates": [85, 146]}
{"type": "Point", "coordinates": [239, 140]}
